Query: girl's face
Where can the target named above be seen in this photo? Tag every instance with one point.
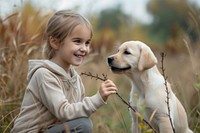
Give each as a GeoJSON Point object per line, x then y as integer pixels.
{"type": "Point", "coordinates": [75, 47]}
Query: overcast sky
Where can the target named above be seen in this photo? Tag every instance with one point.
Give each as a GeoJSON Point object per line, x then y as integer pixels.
{"type": "Point", "coordinates": [136, 8]}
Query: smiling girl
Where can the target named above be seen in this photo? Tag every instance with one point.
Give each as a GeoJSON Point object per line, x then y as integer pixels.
{"type": "Point", "coordinates": [55, 100]}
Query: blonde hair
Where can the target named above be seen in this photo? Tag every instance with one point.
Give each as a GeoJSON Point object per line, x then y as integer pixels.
{"type": "Point", "coordinates": [60, 25]}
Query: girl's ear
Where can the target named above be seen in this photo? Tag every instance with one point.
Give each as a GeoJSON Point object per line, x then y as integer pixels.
{"type": "Point", "coordinates": [54, 43]}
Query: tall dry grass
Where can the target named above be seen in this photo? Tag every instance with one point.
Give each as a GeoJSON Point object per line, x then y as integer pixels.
{"type": "Point", "coordinates": [21, 39]}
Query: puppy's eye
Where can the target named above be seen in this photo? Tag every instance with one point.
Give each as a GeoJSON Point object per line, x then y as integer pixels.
{"type": "Point", "coordinates": [127, 52]}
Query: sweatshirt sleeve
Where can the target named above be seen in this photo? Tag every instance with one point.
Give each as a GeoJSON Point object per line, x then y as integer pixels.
{"type": "Point", "coordinates": [53, 98]}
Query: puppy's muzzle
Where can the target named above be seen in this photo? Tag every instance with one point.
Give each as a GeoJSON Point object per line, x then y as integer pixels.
{"type": "Point", "coordinates": [116, 68]}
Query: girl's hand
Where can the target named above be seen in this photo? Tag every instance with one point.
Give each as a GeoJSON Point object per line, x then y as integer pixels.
{"type": "Point", "coordinates": [107, 88]}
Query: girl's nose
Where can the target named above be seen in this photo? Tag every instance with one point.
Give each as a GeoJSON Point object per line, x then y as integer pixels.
{"type": "Point", "coordinates": [83, 47]}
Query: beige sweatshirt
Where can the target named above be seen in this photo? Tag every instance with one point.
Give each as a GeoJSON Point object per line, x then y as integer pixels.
{"type": "Point", "coordinates": [52, 96]}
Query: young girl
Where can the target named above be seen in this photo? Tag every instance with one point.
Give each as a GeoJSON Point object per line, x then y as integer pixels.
{"type": "Point", "coordinates": [55, 100]}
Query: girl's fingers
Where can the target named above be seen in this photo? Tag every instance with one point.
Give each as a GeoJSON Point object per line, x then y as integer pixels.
{"type": "Point", "coordinates": [109, 83]}
{"type": "Point", "coordinates": [109, 92]}
{"type": "Point", "coordinates": [107, 88]}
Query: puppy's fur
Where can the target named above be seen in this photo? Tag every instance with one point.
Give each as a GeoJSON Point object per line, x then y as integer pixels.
{"type": "Point", "coordinates": [136, 60]}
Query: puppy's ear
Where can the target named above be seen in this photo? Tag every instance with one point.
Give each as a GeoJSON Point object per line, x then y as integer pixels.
{"type": "Point", "coordinates": [147, 59]}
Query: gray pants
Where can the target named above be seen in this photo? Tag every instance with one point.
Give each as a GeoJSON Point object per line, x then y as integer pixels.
{"type": "Point", "coordinates": [79, 125]}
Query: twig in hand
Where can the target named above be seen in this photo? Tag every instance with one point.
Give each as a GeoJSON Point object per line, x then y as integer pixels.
{"type": "Point", "coordinates": [163, 55]}
{"type": "Point", "coordinates": [124, 101]}
{"type": "Point", "coordinates": [89, 74]}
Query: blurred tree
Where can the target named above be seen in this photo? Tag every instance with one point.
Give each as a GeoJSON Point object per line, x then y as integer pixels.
{"type": "Point", "coordinates": [110, 25]}
{"type": "Point", "coordinates": [172, 17]}
{"type": "Point", "coordinates": [113, 18]}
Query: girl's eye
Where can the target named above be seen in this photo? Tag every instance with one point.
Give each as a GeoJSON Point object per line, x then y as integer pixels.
{"type": "Point", "coordinates": [87, 43]}
{"type": "Point", "coordinates": [127, 52]}
{"type": "Point", "coordinates": [77, 41]}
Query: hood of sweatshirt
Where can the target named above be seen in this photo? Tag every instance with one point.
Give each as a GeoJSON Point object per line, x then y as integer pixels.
{"type": "Point", "coordinates": [34, 65]}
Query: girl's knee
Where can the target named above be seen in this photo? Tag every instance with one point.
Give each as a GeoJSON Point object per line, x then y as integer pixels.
{"type": "Point", "coordinates": [83, 125]}
{"type": "Point", "coordinates": [80, 125]}
{"type": "Point", "coordinates": [86, 125]}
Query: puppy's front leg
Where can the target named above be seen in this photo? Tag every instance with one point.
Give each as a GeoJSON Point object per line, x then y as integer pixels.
{"type": "Point", "coordinates": [164, 125]}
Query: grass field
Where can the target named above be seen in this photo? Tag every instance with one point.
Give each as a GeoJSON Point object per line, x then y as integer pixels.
{"type": "Point", "coordinates": [19, 43]}
{"type": "Point", "coordinates": [182, 71]}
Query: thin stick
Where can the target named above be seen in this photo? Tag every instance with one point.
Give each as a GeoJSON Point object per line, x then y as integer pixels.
{"type": "Point", "coordinates": [124, 101]}
{"type": "Point", "coordinates": [167, 89]}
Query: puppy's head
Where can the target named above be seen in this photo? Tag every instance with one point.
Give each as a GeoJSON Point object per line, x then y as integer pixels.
{"type": "Point", "coordinates": [132, 55]}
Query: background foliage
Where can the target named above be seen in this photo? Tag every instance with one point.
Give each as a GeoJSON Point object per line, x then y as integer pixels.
{"type": "Point", "coordinates": [175, 30]}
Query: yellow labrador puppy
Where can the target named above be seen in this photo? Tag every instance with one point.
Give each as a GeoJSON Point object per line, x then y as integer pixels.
{"type": "Point", "coordinates": [136, 60]}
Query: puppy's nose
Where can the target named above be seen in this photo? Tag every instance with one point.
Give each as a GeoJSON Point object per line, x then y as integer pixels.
{"type": "Point", "coordinates": [110, 60]}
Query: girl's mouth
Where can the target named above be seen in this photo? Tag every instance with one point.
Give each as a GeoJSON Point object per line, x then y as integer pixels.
{"type": "Point", "coordinates": [79, 55]}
